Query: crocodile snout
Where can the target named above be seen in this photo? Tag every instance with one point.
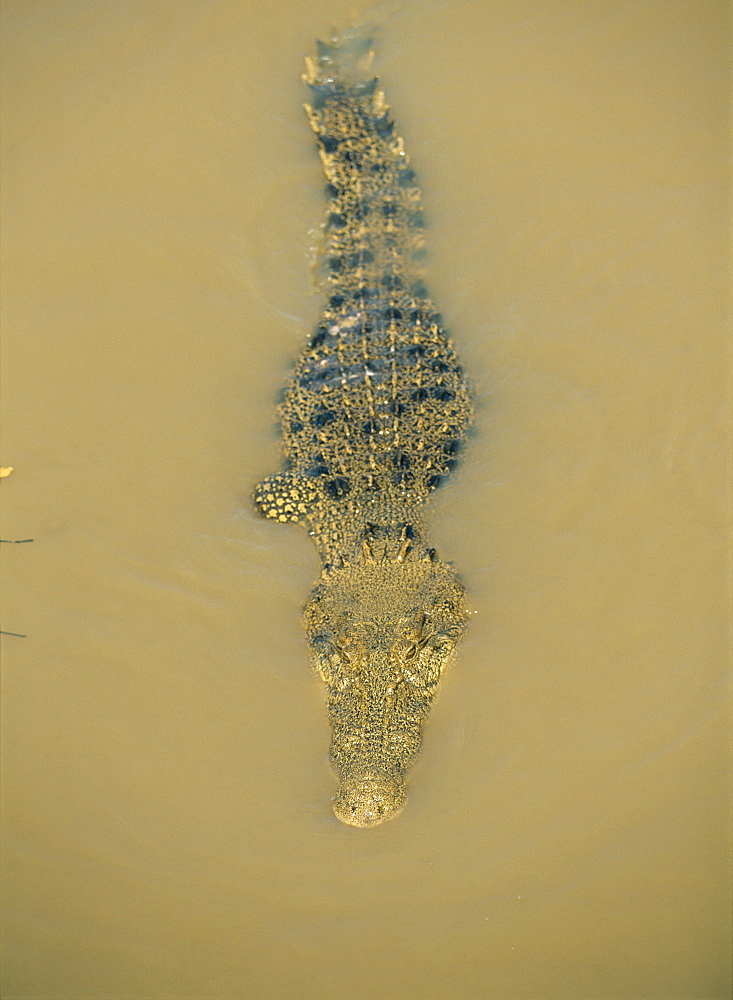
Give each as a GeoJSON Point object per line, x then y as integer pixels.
{"type": "Point", "coordinates": [369, 799]}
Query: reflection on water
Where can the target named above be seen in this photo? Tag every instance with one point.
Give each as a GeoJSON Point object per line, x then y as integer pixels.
{"type": "Point", "coordinates": [167, 826]}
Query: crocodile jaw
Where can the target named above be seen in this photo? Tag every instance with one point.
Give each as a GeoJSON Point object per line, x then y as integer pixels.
{"type": "Point", "coordinates": [376, 730]}
{"type": "Point", "coordinates": [380, 637]}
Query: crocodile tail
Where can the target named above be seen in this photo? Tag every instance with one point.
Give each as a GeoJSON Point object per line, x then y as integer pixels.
{"type": "Point", "coordinates": [374, 223]}
{"type": "Point", "coordinates": [345, 61]}
{"type": "Point", "coordinates": [341, 72]}
{"type": "Point", "coordinates": [345, 90]}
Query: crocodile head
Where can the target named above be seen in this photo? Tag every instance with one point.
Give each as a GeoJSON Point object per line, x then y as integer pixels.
{"type": "Point", "coordinates": [380, 635]}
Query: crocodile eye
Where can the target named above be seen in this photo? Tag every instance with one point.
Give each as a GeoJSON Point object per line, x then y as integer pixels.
{"type": "Point", "coordinates": [406, 649]}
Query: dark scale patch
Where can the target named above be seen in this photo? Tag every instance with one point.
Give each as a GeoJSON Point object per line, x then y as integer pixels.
{"type": "Point", "coordinates": [416, 350]}
{"type": "Point", "coordinates": [419, 290]}
{"type": "Point", "coordinates": [361, 257]}
{"type": "Point", "coordinates": [444, 395]}
{"type": "Point", "coordinates": [336, 221]}
{"type": "Point", "coordinates": [317, 376]}
{"type": "Point", "coordinates": [336, 301]}
{"type": "Point", "coordinates": [332, 191]}
{"type": "Point", "coordinates": [416, 220]}
{"type": "Point", "coordinates": [440, 366]}
{"type": "Point", "coordinates": [434, 481]}
{"type": "Point", "coordinates": [337, 487]}
{"type": "Point", "coordinates": [322, 417]}
{"type": "Point", "coordinates": [335, 264]}
{"type": "Point", "coordinates": [295, 427]}
{"type": "Point", "coordinates": [397, 409]}
{"type": "Point", "coordinates": [370, 427]}
{"type": "Point", "coordinates": [400, 460]}
{"type": "Point", "coordinates": [389, 209]}
{"type": "Point", "coordinates": [351, 156]}
{"type": "Point", "coordinates": [384, 127]}
{"type": "Point", "coordinates": [330, 143]}
{"type": "Point", "coordinates": [319, 336]}
{"type": "Point", "coordinates": [317, 470]}
{"type": "Point", "coordinates": [391, 281]}
{"type": "Point", "coordinates": [364, 293]}
{"type": "Point", "coordinates": [392, 313]}
{"type": "Point", "coordinates": [407, 178]}
{"type": "Point", "coordinates": [452, 447]}
{"type": "Point", "coordinates": [376, 532]}
{"type": "Point", "coordinates": [419, 394]}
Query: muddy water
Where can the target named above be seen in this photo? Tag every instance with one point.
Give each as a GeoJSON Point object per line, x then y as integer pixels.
{"type": "Point", "coordinates": [167, 825]}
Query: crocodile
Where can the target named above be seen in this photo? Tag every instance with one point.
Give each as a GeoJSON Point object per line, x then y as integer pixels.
{"type": "Point", "coordinates": [372, 419]}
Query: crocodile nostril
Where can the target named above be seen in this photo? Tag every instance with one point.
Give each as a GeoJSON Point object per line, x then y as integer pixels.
{"type": "Point", "coordinates": [369, 799]}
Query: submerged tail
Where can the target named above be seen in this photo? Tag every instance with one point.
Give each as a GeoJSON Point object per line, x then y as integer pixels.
{"type": "Point", "coordinates": [374, 227]}
{"type": "Point", "coordinates": [344, 61]}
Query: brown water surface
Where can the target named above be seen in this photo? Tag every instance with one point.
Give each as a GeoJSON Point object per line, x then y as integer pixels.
{"type": "Point", "coordinates": [166, 795]}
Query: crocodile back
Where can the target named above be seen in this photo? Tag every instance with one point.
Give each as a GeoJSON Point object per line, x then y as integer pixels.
{"type": "Point", "coordinates": [377, 402]}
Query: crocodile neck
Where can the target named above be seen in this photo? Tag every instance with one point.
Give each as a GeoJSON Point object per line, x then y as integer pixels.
{"type": "Point", "coordinates": [372, 525]}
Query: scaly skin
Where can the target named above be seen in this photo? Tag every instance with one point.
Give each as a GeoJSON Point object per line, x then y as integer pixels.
{"type": "Point", "coordinates": [372, 420]}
